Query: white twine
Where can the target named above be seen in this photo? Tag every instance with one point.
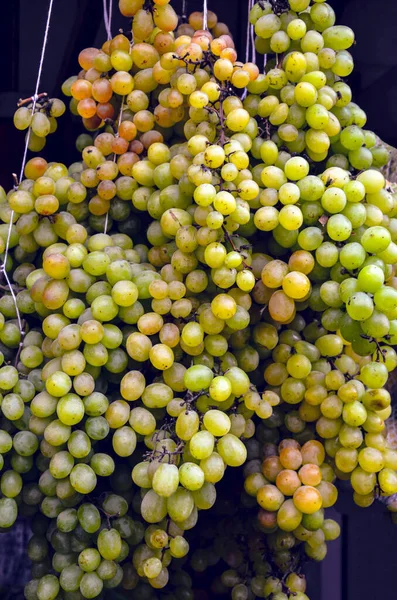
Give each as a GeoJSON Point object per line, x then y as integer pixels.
{"type": "Point", "coordinates": [35, 97]}
{"type": "Point", "coordinates": [36, 93]}
{"type": "Point", "coordinates": [247, 45]}
{"type": "Point", "coordinates": [4, 271]}
{"type": "Point", "coordinates": [264, 62]}
{"type": "Point", "coordinates": [105, 228]}
{"type": "Point", "coordinates": [184, 8]}
{"type": "Point", "coordinates": [107, 17]}
{"type": "Point", "coordinates": [120, 115]}
{"type": "Point", "coordinates": [205, 15]}
{"type": "Point", "coordinates": [250, 40]}
{"type": "Point", "coordinates": [253, 55]}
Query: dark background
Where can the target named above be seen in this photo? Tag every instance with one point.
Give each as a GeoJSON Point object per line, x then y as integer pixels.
{"type": "Point", "coordinates": [363, 564]}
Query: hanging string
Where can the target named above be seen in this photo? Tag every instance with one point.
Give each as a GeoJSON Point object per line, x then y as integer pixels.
{"type": "Point", "coordinates": [119, 120]}
{"type": "Point", "coordinates": [247, 45]}
{"type": "Point", "coordinates": [109, 32]}
{"type": "Point", "coordinates": [249, 40]}
{"type": "Point", "coordinates": [3, 268]}
{"type": "Point", "coordinates": [264, 62]}
{"type": "Point", "coordinates": [105, 228]}
{"type": "Point", "coordinates": [253, 56]}
{"type": "Point", "coordinates": [205, 15]}
{"type": "Point", "coordinates": [184, 11]}
{"type": "Point", "coordinates": [36, 93]}
{"type": "Point", "coordinates": [107, 17]}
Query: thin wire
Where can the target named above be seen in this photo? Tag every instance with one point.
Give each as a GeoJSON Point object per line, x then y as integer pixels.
{"type": "Point", "coordinates": [105, 228]}
{"type": "Point", "coordinates": [264, 62]}
{"type": "Point", "coordinates": [184, 8]}
{"type": "Point", "coordinates": [253, 56]}
{"type": "Point", "coordinates": [120, 116]}
{"type": "Point", "coordinates": [248, 40]}
{"type": "Point", "coordinates": [35, 97]}
{"type": "Point", "coordinates": [247, 45]}
{"type": "Point", "coordinates": [108, 24]}
{"type": "Point", "coordinates": [109, 32]}
{"type": "Point", "coordinates": [110, 16]}
{"type": "Point", "coordinates": [205, 15]}
{"type": "Point", "coordinates": [107, 17]}
{"type": "Point", "coordinates": [3, 267]}
{"type": "Point", "coordinates": [4, 271]}
{"type": "Point", "coordinates": [105, 14]}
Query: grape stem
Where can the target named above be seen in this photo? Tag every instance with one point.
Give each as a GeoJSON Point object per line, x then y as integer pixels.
{"type": "Point", "coordinates": [16, 181]}
{"type": "Point", "coordinates": [167, 531]}
{"type": "Point", "coordinates": [97, 501]}
{"type": "Point", "coordinates": [149, 6]}
{"type": "Point", "coordinates": [233, 409]}
{"type": "Point", "coordinates": [211, 109]}
{"type": "Point", "coordinates": [299, 559]}
{"type": "Point", "coordinates": [168, 426]}
{"type": "Point", "coordinates": [380, 352]}
{"type": "Point", "coordinates": [16, 288]}
{"type": "Point", "coordinates": [160, 454]}
{"type": "Point", "coordinates": [278, 6]}
{"type": "Point", "coordinates": [190, 398]}
{"type": "Point", "coordinates": [233, 245]}
{"type": "Point", "coordinates": [266, 129]}
{"type": "Point", "coordinates": [323, 220]}
{"type": "Point", "coordinates": [108, 516]}
{"type": "Point", "coordinates": [335, 368]}
{"type": "Point", "coordinates": [189, 61]}
{"type": "Point", "coordinates": [22, 102]}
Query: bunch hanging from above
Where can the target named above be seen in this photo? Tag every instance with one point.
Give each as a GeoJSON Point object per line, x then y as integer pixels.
{"type": "Point", "coordinates": [212, 285]}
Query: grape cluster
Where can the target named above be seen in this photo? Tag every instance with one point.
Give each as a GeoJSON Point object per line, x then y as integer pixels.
{"type": "Point", "coordinates": [212, 285]}
{"type": "Point", "coordinates": [262, 555]}
{"type": "Point", "coordinates": [39, 118]}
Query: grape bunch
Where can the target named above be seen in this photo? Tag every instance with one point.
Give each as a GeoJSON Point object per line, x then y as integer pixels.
{"type": "Point", "coordinates": [211, 285]}
{"type": "Point", "coordinates": [251, 555]}
{"type": "Point", "coordinates": [39, 118]}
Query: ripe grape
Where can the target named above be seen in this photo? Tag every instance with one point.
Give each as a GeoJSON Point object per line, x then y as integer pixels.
{"type": "Point", "coordinates": [165, 342]}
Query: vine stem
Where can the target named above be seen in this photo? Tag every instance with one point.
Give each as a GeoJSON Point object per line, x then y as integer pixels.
{"type": "Point", "coordinates": [24, 101]}
{"type": "Point", "coordinates": [233, 245]}
{"type": "Point", "coordinates": [16, 288]}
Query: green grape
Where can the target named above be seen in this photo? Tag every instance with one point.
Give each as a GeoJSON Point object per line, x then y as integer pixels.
{"type": "Point", "coordinates": [22, 118]}
{"type": "Point", "coordinates": [168, 339]}
{"type": "Point", "coordinates": [8, 512]}
{"type": "Point", "coordinates": [165, 480]}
